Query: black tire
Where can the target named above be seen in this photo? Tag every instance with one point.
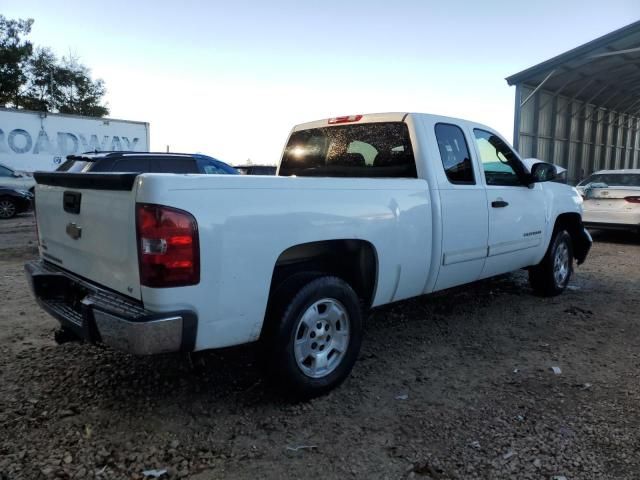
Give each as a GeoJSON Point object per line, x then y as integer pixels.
{"type": "Point", "coordinates": [8, 208]}
{"type": "Point", "coordinates": [283, 358]}
{"type": "Point", "coordinates": [64, 335]}
{"type": "Point", "coordinates": [547, 279]}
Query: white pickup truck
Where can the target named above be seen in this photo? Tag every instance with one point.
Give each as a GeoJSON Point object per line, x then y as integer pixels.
{"type": "Point", "coordinates": [365, 210]}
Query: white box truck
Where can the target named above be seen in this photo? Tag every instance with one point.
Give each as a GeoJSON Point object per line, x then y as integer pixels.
{"type": "Point", "coordinates": [31, 141]}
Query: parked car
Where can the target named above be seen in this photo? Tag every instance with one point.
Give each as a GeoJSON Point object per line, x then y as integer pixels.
{"type": "Point", "coordinates": [14, 179]}
{"type": "Point", "coordinates": [365, 210]}
{"type": "Point", "coordinates": [14, 201]}
{"type": "Point", "coordinates": [612, 199]}
{"type": "Point", "coordinates": [145, 162]}
{"type": "Point", "coordinates": [256, 169]}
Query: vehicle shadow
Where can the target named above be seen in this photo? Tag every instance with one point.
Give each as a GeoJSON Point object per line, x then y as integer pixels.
{"type": "Point", "coordinates": [233, 378]}
{"type": "Point", "coordinates": [622, 237]}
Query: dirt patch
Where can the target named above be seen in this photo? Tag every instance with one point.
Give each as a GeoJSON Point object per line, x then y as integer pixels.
{"type": "Point", "coordinates": [454, 385]}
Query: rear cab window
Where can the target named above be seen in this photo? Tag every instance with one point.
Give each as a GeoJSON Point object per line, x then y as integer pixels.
{"type": "Point", "coordinates": [366, 150]}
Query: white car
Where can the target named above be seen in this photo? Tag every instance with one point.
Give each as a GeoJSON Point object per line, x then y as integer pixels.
{"type": "Point", "coordinates": [612, 199]}
{"type": "Point", "coordinates": [14, 179]}
{"type": "Point", "coordinates": [365, 210]}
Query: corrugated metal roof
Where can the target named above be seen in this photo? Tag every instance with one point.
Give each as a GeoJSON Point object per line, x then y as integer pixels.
{"type": "Point", "coordinates": [604, 72]}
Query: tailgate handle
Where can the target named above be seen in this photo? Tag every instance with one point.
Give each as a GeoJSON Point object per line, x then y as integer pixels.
{"type": "Point", "coordinates": [71, 202]}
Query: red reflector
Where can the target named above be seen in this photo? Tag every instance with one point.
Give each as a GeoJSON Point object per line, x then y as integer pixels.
{"type": "Point", "coordinates": [345, 119]}
{"type": "Point", "coordinates": [168, 247]}
{"type": "Point", "coordinates": [632, 199]}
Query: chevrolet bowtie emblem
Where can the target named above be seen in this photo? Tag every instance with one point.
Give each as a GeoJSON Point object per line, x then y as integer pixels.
{"type": "Point", "coordinates": [74, 231]}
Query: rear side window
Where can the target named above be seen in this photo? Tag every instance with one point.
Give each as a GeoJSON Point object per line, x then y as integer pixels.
{"type": "Point", "coordinates": [367, 150]}
{"type": "Point", "coordinates": [172, 165]}
{"type": "Point", "coordinates": [102, 165]}
{"type": "Point", "coordinates": [130, 165]}
{"type": "Point", "coordinates": [454, 154]}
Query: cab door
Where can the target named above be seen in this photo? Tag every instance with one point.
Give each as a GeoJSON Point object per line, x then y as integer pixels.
{"type": "Point", "coordinates": [463, 203]}
{"type": "Point", "coordinates": [517, 213]}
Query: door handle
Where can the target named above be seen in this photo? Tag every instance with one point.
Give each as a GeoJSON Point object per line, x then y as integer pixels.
{"type": "Point", "coordinates": [499, 204]}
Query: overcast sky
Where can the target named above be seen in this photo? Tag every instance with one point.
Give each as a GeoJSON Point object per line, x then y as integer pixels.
{"type": "Point", "coordinates": [230, 79]}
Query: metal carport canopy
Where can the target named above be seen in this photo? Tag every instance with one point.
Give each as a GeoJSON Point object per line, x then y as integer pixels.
{"type": "Point", "coordinates": [598, 82]}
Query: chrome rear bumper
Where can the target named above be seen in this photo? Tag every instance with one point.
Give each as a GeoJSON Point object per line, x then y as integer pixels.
{"type": "Point", "coordinates": [97, 315]}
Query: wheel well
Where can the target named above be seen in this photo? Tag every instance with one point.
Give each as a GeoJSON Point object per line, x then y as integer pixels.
{"type": "Point", "coordinates": [572, 223]}
{"type": "Point", "coordinates": [355, 261]}
{"type": "Point", "coordinates": [569, 221]}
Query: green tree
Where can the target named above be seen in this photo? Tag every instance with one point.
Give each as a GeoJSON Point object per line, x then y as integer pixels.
{"type": "Point", "coordinates": [75, 91]}
{"type": "Point", "coordinates": [41, 81]}
{"type": "Point", "coordinates": [15, 53]}
{"type": "Point", "coordinates": [38, 80]}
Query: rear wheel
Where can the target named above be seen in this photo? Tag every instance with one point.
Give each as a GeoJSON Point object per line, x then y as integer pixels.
{"type": "Point", "coordinates": [551, 276]}
{"type": "Point", "coordinates": [316, 337]}
{"type": "Point", "coordinates": [8, 208]}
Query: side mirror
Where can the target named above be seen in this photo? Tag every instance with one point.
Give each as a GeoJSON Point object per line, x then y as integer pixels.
{"type": "Point", "coordinates": [543, 172]}
{"type": "Point", "coordinates": [16, 175]}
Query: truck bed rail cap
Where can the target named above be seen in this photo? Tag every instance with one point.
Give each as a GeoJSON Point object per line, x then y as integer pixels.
{"type": "Point", "coordinates": [93, 181]}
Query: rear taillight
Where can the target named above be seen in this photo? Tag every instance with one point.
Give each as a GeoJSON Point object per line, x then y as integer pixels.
{"type": "Point", "coordinates": [632, 199]}
{"type": "Point", "coordinates": [168, 247]}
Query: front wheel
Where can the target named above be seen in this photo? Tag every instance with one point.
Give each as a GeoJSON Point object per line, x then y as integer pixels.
{"type": "Point", "coordinates": [551, 276]}
{"type": "Point", "coordinates": [315, 338]}
{"type": "Point", "coordinates": [8, 208]}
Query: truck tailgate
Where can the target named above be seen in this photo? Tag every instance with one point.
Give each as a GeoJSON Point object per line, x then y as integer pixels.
{"type": "Point", "coordinates": [86, 225]}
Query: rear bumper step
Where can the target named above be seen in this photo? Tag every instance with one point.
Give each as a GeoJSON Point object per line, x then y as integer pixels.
{"type": "Point", "coordinates": [100, 316]}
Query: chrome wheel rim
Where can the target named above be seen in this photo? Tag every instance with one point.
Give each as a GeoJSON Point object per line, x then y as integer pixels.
{"type": "Point", "coordinates": [561, 264]}
{"type": "Point", "coordinates": [7, 209]}
{"type": "Point", "coordinates": [321, 338]}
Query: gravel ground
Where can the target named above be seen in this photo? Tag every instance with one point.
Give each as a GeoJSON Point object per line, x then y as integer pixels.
{"type": "Point", "coordinates": [450, 386]}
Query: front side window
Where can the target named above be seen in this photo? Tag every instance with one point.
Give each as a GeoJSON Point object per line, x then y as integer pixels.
{"type": "Point", "coordinates": [454, 154]}
{"type": "Point", "coordinates": [5, 172]}
{"type": "Point", "coordinates": [500, 164]}
{"type": "Point", "coordinates": [367, 150]}
{"type": "Point", "coordinates": [212, 169]}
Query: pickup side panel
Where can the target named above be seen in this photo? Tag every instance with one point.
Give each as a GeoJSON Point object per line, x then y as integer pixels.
{"type": "Point", "coordinates": [246, 223]}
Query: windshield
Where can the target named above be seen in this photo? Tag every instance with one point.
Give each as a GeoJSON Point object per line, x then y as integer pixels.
{"type": "Point", "coordinates": [613, 179]}
{"type": "Point", "coordinates": [367, 150]}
